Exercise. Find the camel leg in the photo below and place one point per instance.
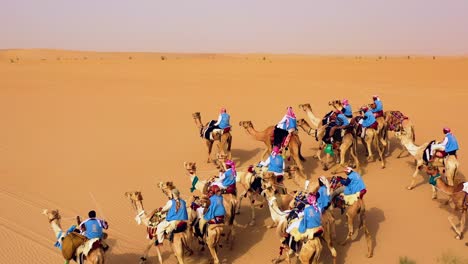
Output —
(294, 148)
(350, 214)
(244, 194)
(252, 208)
(462, 225)
(370, 155)
(212, 241)
(413, 180)
(178, 250)
(363, 225)
(380, 152)
(209, 145)
(146, 251)
(401, 152)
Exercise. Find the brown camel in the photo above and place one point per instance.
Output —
(451, 162)
(371, 138)
(224, 139)
(212, 238)
(352, 211)
(180, 241)
(95, 255)
(310, 250)
(316, 121)
(229, 200)
(397, 121)
(348, 143)
(279, 203)
(459, 198)
(266, 137)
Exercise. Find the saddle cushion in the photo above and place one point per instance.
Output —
(181, 227)
(379, 114)
(308, 234)
(217, 220)
(352, 198)
(231, 189)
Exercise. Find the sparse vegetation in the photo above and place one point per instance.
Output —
(163, 58)
(409, 57)
(264, 58)
(406, 260)
(12, 61)
(130, 58)
(85, 58)
(450, 258)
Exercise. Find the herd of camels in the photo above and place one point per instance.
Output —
(260, 186)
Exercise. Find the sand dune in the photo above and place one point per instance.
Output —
(77, 133)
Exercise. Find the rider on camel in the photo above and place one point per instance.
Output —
(275, 163)
(227, 178)
(324, 194)
(285, 127)
(449, 146)
(94, 228)
(378, 110)
(367, 120)
(341, 122)
(347, 110)
(176, 212)
(354, 186)
(223, 122)
(216, 212)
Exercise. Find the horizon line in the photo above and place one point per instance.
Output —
(245, 53)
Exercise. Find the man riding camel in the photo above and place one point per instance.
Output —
(324, 194)
(223, 122)
(216, 212)
(447, 147)
(368, 119)
(340, 122)
(347, 110)
(285, 127)
(228, 177)
(176, 212)
(354, 186)
(275, 163)
(94, 228)
(378, 110)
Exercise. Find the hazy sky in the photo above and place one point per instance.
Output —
(279, 26)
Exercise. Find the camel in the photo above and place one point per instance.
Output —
(459, 198)
(310, 250)
(95, 254)
(230, 200)
(396, 122)
(348, 143)
(371, 138)
(279, 205)
(316, 122)
(266, 135)
(224, 139)
(180, 241)
(166, 188)
(451, 162)
(358, 208)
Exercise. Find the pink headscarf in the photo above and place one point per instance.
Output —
(223, 110)
(275, 151)
(312, 200)
(345, 102)
(290, 112)
(233, 166)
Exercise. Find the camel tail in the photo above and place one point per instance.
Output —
(413, 133)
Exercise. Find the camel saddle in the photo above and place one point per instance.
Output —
(375, 125)
(395, 120)
(326, 118)
(379, 114)
(231, 189)
(310, 233)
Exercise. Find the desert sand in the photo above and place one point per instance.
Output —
(78, 129)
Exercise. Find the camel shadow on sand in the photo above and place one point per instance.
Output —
(374, 216)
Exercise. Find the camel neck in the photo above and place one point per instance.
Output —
(315, 121)
(254, 133)
(410, 146)
(56, 227)
(441, 185)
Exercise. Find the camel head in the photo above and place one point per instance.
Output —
(246, 124)
(191, 167)
(52, 214)
(432, 170)
(305, 107)
(302, 122)
(166, 188)
(220, 161)
(268, 180)
(335, 102)
(400, 134)
(196, 115)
